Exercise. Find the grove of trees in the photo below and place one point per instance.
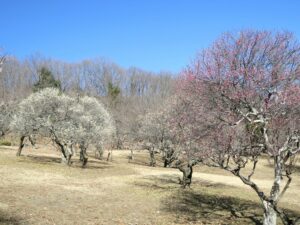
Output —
(236, 103)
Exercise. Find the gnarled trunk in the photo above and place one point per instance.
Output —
(99, 153)
(64, 156)
(169, 157)
(187, 173)
(32, 141)
(21, 145)
(69, 154)
(83, 155)
(270, 215)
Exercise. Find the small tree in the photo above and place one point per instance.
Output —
(154, 133)
(245, 91)
(187, 129)
(46, 80)
(113, 92)
(96, 125)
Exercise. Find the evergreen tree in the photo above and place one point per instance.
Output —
(113, 92)
(46, 80)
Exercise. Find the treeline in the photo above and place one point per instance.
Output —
(127, 93)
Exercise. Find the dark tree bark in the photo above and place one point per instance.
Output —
(187, 173)
(65, 158)
(169, 157)
(21, 145)
(83, 155)
(152, 157)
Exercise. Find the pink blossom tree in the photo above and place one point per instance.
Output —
(242, 98)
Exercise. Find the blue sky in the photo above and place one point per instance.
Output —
(156, 35)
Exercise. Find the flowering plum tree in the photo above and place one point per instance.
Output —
(243, 98)
(155, 133)
(187, 130)
(47, 113)
(95, 125)
(67, 121)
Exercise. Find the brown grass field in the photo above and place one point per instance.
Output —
(37, 189)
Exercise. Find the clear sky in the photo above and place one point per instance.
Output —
(151, 34)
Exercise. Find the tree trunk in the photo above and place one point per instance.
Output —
(166, 163)
(32, 142)
(152, 158)
(187, 172)
(130, 157)
(169, 157)
(69, 154)
(109, 156)
(99, 153)
(64, 158)
(270, 215)
(83, 155)
(21, 145)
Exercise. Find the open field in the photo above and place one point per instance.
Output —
(37, 189)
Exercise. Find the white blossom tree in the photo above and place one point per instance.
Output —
(66, 120)
(6, 112)
(155, 134)
(95, 125)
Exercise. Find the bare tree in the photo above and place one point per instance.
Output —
(2, 60)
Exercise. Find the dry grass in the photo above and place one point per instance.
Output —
(37, 189)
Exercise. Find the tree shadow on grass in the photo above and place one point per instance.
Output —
(171, 182)
(9, 220)
(144, 160)
(48, 160)
(191, 206)
(92, 164)
(212, 209)
(44, 159)
(165, 182)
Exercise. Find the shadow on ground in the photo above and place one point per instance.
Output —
(92, 163)
(9, 220)
(199, 206)
(211, 209)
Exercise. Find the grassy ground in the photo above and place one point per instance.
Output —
(37, 189)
